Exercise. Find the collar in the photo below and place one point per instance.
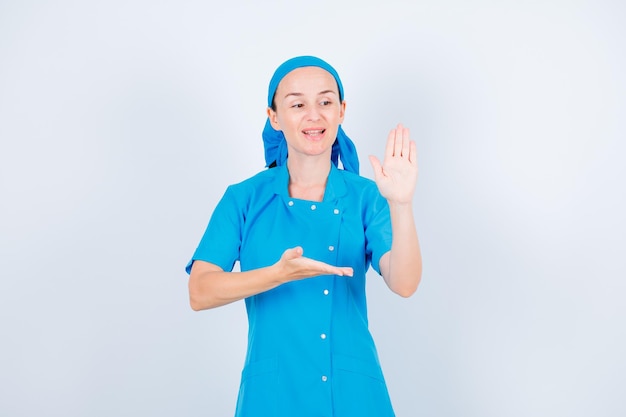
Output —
(335, 185)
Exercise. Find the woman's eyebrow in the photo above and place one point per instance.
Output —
(319, 94)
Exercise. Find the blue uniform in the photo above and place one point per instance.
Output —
(310, 352)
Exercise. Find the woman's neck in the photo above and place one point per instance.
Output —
(307, 177)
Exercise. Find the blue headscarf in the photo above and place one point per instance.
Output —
(274, 140)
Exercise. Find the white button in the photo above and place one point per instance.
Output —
(323, 336)
(313, 206)
(325, 292)
(336, 211)
(331, 248)
(324, 378)
(290, 203)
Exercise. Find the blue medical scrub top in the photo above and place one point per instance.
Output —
(310, 352)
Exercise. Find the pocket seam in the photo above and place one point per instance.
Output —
(261, 367)
(358, 366)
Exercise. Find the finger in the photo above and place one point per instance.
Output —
(406, 141)
(378, 169)
(413, 152)
(397, 147)
(339, 270)
(324, 268)
(345, 271)
(293, 253)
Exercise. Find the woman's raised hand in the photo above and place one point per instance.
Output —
(294, 266)
(396, 177)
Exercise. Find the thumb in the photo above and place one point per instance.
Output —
(292, 253)
(378, 169)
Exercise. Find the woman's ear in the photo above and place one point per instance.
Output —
(342, 111)
(271, 115)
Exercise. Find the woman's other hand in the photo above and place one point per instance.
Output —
(396, 177)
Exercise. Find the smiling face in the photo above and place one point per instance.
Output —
(308, 110)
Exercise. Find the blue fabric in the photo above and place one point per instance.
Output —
(303, 331)
(274, 140)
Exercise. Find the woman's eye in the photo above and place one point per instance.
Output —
(297, 105)
(325, 102)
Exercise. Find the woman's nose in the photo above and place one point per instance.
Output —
(314, 114)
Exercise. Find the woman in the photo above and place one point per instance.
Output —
(305, 233)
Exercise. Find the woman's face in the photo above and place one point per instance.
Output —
(308, 111)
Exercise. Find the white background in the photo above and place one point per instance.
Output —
(122, 122)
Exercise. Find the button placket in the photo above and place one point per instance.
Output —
(331, 248)
(331, 215)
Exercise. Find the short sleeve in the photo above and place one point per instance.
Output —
(377, 230)
(221, 241)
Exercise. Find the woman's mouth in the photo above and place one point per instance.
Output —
(314, 133)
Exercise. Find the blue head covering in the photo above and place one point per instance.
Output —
(274, 140)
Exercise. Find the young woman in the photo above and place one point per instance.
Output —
(305, 232)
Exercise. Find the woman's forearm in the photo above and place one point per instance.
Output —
(210, 286)
(401, 267)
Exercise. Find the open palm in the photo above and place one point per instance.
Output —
(396, 177)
